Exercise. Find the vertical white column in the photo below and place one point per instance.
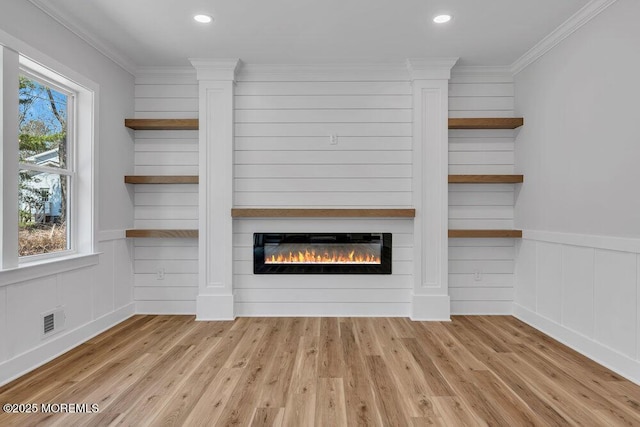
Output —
(215, 295)
(430, 80)
(9, 156)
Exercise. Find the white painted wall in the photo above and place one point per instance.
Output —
(481, 206)
(95, 297)
(577, 267)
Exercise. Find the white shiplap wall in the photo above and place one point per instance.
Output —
(283, 157)
(481, 271)
(166, 95)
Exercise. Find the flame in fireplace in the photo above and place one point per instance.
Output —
(326, 257)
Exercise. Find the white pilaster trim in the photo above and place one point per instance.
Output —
(215, 69)
(568, 27)
(430, 186)
(216, 89)
(430, 68)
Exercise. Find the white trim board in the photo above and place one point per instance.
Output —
(612, 243)
(598, 352)
(34, 358)
(49, 267)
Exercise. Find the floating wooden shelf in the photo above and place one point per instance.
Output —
(485, 179)
(486, 123)
(161, 179)
(321, 213)
(175, 234)
(485, 233)
(161, 124)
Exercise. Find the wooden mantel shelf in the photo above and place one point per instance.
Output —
(486, 123)
(161, 179)
(161, 124)
(321, 213)
(479, 234)
(172, 234)
(485, 179)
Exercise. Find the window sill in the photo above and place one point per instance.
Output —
(35, 270)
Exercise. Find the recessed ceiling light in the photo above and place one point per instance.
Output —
(203, 19)
(441, 19)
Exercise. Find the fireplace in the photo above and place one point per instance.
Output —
(322, 253)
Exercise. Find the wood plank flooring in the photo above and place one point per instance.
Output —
(475, 370)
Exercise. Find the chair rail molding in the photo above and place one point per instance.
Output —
(216, 79)
(430, 82)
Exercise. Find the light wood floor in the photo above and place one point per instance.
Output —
(479, 370)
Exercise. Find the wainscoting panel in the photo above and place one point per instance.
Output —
(583, 290)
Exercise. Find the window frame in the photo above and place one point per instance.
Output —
(14, 54)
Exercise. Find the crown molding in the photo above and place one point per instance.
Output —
(430, 68)
(215, 69)
(577, 20)
(323, 72)
(120, 59)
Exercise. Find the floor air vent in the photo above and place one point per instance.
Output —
(52, 322)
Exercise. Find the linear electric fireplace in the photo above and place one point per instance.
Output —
(322, 253)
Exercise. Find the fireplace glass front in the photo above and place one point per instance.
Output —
(322, 253)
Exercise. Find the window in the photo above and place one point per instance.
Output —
(47, 159)
(45, 166)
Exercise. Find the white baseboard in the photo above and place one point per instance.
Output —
(594, 350)
(431, 307)
(166, 307)
(321, 309)
(30, 360)
(215, 307)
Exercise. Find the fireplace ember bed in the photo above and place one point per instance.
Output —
(322, 253)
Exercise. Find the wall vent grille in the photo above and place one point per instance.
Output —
(49, 323)
(53, 322)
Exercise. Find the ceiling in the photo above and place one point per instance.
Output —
(163, 33)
